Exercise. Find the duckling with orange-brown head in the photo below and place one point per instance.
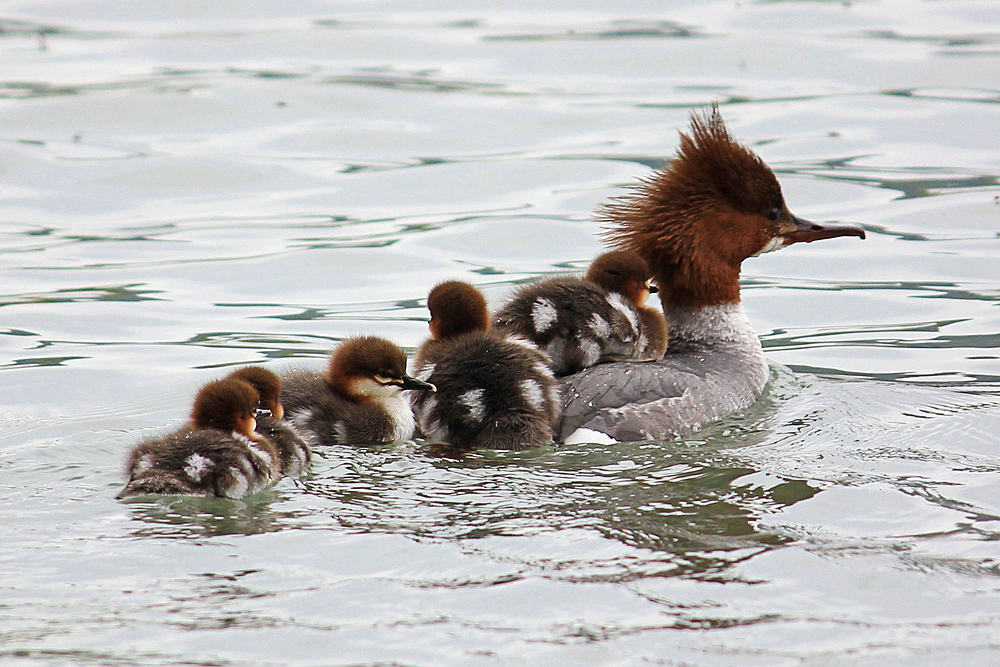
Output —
(494, 390)
(217, 453)
(358, 400)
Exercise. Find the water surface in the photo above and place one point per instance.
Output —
(188, 187)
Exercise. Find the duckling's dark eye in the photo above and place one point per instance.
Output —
(773, 214)
(383, 376)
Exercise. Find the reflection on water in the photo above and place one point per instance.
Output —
(181, 517)
(647, 497)
(82, 294)
(909, 187)
(679, 515)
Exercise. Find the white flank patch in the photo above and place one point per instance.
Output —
(776, 243)
(425, 372)
(591, 351)
(617, 301)
(543, 370)
(585, 435)
(145, 462)
(522, 342)
(196, 465)
(533, 394)
(543, 314)
(473, 400)
(600, 327)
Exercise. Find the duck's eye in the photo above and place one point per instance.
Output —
(383, 377)
(773, 214)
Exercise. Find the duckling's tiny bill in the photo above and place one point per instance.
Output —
(407, 382)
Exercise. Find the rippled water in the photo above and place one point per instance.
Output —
(187, 186)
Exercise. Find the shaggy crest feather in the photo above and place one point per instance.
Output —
(694, 222)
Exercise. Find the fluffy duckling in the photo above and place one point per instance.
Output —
(626, 273)
(359, 398)
(494, 390)
(580, 322)
(217, 453)
(293, 450)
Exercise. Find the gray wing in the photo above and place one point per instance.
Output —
(615, 399)
(661, 400)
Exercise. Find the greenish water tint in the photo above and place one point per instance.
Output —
(186, 189)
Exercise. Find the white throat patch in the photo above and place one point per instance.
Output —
(776, 243)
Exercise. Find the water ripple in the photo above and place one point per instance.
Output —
(613, 30)
(906, 184)
(186, 193)
(949, 42)
(121, 293)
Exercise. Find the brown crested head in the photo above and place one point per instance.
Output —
(457, 308)
(716, 204)
(621, 271)
(365, 358)
(225, 404)
(267, 384)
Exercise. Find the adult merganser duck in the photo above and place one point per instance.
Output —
(494, 390)
(599, 318)
(293, 450)
(694, 223)
(359, 399)
(216, 454)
